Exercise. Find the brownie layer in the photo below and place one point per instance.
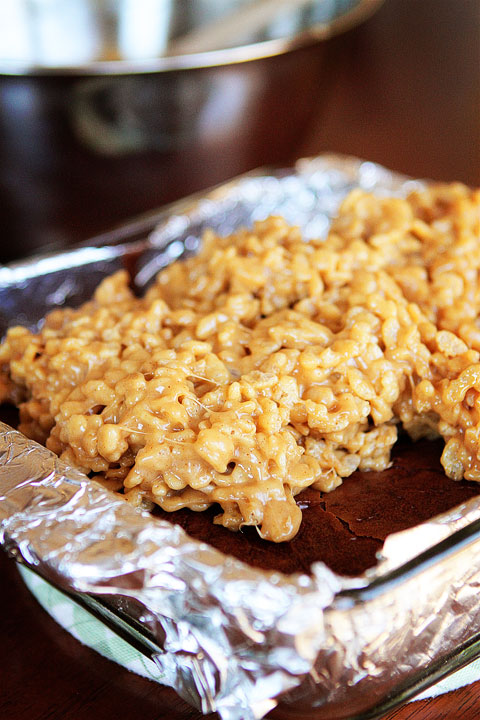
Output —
(345, 528)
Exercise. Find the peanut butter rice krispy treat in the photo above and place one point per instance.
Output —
(267, 363)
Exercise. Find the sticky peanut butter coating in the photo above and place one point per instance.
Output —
(267, 363)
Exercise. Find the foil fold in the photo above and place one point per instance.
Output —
(231, 638)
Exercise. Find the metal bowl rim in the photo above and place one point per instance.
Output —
(211, 58)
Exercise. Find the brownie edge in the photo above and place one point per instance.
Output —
(346, 528)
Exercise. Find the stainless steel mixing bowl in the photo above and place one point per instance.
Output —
(110, 108)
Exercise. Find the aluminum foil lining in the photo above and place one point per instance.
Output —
(232, 638)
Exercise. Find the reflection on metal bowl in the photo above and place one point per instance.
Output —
(107, 113)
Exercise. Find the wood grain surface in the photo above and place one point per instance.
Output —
(405, 92)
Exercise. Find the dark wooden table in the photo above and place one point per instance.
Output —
(406, 94)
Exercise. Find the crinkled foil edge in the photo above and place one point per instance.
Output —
(234, 638)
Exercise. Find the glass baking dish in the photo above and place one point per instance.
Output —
(231, 638)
